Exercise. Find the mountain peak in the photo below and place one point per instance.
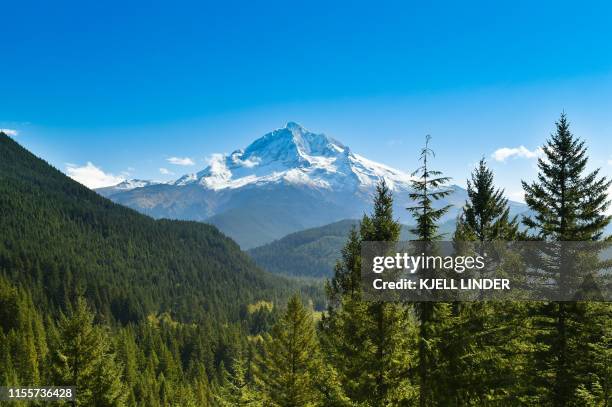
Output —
(126, 185)
(296, 156)
(293, 126)
(291, 144)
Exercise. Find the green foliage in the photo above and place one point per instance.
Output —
(82, 357)
(23, 339)
(63, 240)
(486, 215)
(429, 186)
(236, 389)
(308, 253)
(433, 318)
(569, 204)
(368, 343)
(347, 272)
(487, 342)
(290, 366)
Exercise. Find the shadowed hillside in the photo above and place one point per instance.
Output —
(314, 252)
(61, 239)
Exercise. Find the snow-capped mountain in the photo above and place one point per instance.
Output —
(288, 180)
(126, 185)
(293, 155)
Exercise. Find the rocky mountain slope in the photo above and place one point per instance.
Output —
(286, 181)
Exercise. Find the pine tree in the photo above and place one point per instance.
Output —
(82, 358)
(347, 272)
(339, 326)
(569, 204)
(127, 353)
(387, 325)
(486, 214)
(290, 365)
(485, 341)
(367, 341)
(236, 390)
(348, 347)
(429, 186)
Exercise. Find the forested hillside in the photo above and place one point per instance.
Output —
(314, 252)
(309, 253)
(60, 239)
(177, 292)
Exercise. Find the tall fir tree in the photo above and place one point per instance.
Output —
(429, 186)
(82, 357)
(388, 325)
(290, 368)
(346, 280)
(368, 342)
(569, 204)
(487, 342)
(236, 389)
(486, 214)
(341, 327)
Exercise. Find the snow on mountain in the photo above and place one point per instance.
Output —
(127, 185)
(286, 181)
(296, 156)
(134, 183)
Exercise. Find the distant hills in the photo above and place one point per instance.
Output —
(289, 180)
(308, 253)
(314, 252)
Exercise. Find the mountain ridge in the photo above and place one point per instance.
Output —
(288, 180)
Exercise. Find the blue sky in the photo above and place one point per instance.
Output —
(126, 86)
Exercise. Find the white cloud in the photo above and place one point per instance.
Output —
(9, 132)
(165, 171)
(92, 176)
(248, 163)
(502, 154)
(180, 161)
